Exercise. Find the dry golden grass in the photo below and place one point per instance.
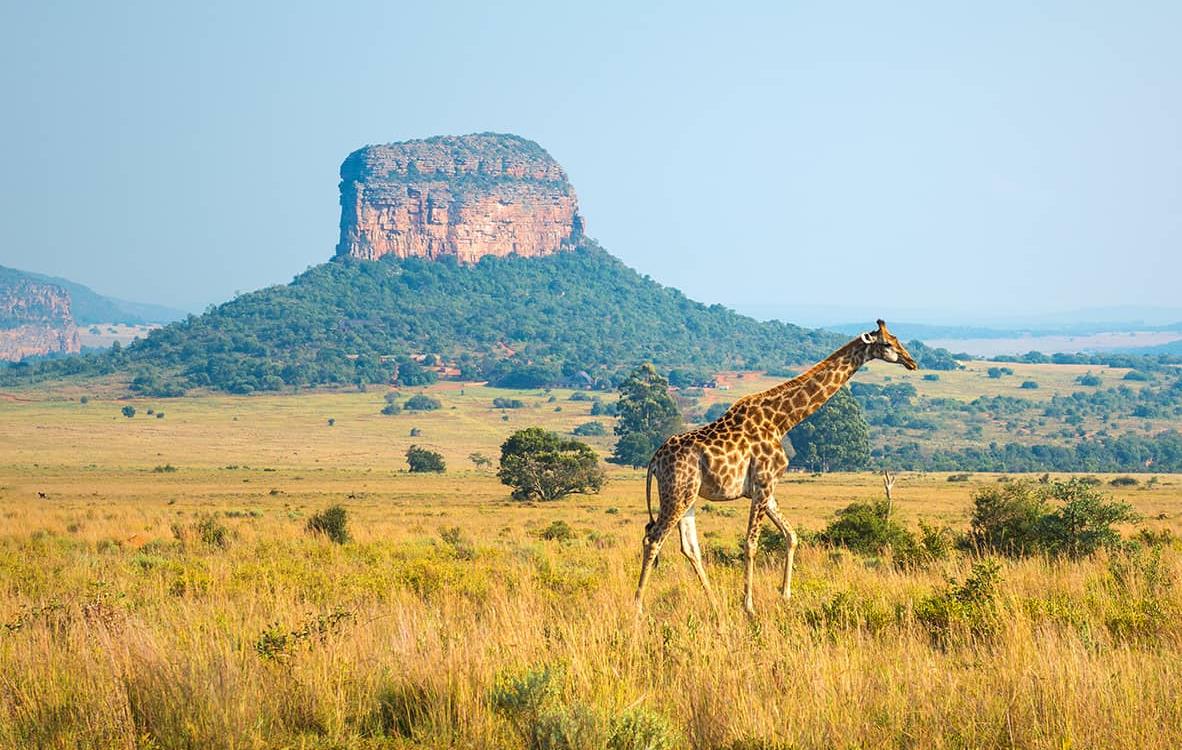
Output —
(114, 633)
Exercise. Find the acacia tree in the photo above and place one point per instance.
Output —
(647, 416)
(835, 437)
(538, 463)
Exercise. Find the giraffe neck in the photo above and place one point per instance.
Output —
(792, 402)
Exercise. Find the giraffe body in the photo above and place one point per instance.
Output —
(741, 454)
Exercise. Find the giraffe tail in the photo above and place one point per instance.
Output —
(648, 500)
(648, 497)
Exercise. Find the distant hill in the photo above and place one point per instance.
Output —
(90, 307)
(524, 321)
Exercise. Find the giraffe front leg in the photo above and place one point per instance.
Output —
(790, 539)
(750, 546)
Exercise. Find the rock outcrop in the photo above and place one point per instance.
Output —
(35, 319)
(466, 196)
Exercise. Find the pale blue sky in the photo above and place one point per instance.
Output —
(935, 157)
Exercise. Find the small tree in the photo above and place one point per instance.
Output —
(128, 411)
(835, 438)
(422, 402)
(422, 460)
(647, 416)
(391, 409)
(539, 464)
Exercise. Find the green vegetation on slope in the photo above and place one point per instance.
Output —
(517, 321)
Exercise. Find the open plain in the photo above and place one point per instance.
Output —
(158, 589)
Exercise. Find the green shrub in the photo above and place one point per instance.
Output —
(1083, 522)
(967, 609)
(641, 729)
(421, 460)
(931, 377)
(128, 411)
(422, 402)
(959, 477)
(1071, 518)
(1124, 482)
(165, 469)
(500, 402)
(867, 528)
(1029, 385)
(1006, 517)
(557, 531)
(391, 409)
(332, 522)
(590, 429)
(212, 532)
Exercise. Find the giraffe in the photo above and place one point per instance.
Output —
(741, 454)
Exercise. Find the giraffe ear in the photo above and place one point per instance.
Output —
(867, 338)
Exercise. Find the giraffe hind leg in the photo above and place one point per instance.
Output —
(689, 547)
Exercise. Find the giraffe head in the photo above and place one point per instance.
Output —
(882, 344)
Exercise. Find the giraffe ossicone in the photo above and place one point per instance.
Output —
(740, 454)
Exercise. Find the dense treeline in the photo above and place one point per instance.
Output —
(520, 322)
(1127, 452)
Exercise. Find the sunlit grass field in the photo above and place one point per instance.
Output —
(457, 617)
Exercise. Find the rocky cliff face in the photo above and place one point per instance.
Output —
(467, 196)
(35, 319)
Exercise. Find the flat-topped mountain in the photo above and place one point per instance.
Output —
(465, 196)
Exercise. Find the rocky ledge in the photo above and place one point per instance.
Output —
(465, 196)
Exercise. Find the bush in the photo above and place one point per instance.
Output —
(500, 402)
(539, 464)
(1018, 518)
(579, 396)
(931, 377)
(128, 411)
(1083, 523)
(557, 531)
(590, 429)
(1029, 385)
(86, 399)
(159, 415)
(640, 729)
(1124, 482)
(1135, 375)
(391, 409)
(479, 459)
(963, 477)
(212, 532)
(422, 460)
(867, 528)
(963, 609)
(332, 522)
(422, 402)
(1089, 379)
(1006, 517)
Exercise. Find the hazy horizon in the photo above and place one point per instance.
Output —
(942, 160)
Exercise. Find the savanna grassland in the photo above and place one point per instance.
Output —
(158, 589)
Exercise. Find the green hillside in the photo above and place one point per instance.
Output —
(517, 321)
